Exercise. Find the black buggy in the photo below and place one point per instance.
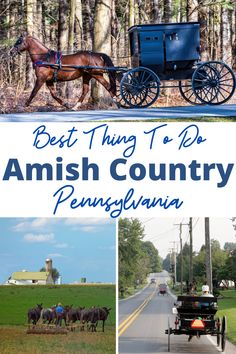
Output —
(195, 316)
(171, 52)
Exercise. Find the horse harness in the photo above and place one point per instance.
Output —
(57, 57)
(58, 63)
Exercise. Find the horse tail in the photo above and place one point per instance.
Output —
(111, 73)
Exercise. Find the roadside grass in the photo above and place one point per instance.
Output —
(203, 119)
(16, 300)
(131, 290)
(227, 307)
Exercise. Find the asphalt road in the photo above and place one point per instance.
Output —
(146, 334)
(228, 110)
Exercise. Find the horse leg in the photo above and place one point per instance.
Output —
(105, 84)
(85, 90)
(37, 86)
(51, 87)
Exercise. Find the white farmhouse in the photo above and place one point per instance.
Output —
(28, 278)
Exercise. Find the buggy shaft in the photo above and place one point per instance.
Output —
(85, 67)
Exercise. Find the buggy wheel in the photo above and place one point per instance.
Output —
(140, 87)
(186, 91)
(218, 331)
(223, 333)
(118, 98)
(213, 82)
(169, 332)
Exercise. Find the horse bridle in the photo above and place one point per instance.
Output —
(19, 41)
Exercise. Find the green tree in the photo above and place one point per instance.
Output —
(218, 256)
(55, 273)
(166, 263)
(131, 232)
(229, 270)
(186, 253)
(137, 258)
(152, 253)
(230, 246)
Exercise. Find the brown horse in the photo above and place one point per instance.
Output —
(49, 75)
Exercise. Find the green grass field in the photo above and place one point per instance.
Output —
(227, 307)
(16, 300)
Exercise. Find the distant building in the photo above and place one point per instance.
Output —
(28, 278)
(59, 280)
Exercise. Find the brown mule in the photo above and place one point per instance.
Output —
(49, 75)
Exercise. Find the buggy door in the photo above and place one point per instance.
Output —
(152, 49)
(182, 44)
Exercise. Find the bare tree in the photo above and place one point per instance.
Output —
(226, 48)
(78, 25)
(88, 25)
(62, 25)
(102, 34)
(30, 7)
(167, 13)
(192, 10)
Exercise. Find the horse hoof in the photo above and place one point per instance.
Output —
(116, 103)
(76, 106)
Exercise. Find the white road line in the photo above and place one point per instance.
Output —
(213, 342)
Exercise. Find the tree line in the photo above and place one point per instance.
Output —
(223, 264)
(137, 258)
(102, 26)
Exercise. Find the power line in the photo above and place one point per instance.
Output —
(162, 233)
(181, 255)
(144, 222)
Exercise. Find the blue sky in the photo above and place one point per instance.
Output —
(79, 247)
(164, 233)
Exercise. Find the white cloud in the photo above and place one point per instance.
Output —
(61, 245)
(41, 222)
(46, 224)
(37, 238)
(34, 224)
(88, 228)
(88, 221)
(20, 227)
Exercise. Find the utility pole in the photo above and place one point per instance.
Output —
(174, 262)
(208, 254)
(181, 256)
(190, 250)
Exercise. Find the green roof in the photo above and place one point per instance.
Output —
(30, 275)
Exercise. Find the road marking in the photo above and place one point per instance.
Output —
(213, 342)
(127, 322)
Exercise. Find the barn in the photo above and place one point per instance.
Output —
(25, 277)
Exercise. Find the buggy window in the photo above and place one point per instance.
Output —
(134, 43)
